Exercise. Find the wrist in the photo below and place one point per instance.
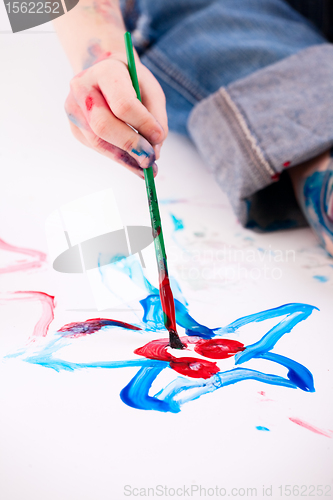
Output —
(91, 31)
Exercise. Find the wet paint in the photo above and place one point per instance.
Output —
(186, 365)
(197, 376)
(218, 348)
(80, 329)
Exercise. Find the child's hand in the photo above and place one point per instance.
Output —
(101, 105)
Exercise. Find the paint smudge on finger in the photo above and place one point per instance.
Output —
(95, 54)
(144, 153)
(89, 102)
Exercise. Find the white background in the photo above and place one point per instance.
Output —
(68, 435)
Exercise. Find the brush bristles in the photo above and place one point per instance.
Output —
(174, 340)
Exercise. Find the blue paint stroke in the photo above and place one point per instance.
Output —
(318, 188)
(297, 373)
(320, 278)
(181, 389)
(153, 317)
(135, 394)
(151, 304)
(141, 153)
(184, 389)
(177, 223)
(262, 428)
(58, 364)
(295, 314)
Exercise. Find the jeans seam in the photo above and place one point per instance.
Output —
(244, 131)
(247, 152)
(192, 93)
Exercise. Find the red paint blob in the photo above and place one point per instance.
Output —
(89, 103)
(157, 349)
(80, 329)
(168, 304)
(275, 177)
(218, 348)
(190, 367)
(286, 164)
(194, 368)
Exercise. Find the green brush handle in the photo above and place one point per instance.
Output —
(148, 172)
(167, 302)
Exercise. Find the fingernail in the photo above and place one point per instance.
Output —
(156, 136)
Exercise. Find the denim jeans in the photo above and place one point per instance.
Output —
(251, 82)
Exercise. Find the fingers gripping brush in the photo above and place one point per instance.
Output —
(167, 301)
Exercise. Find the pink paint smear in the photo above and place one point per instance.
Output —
(311, 428)
(48, 304)
(39, 258)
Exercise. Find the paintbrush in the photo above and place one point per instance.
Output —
(167, 301)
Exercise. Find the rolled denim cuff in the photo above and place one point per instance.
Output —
(251, 131)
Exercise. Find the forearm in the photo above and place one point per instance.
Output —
(104, 111)
(91, 32)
